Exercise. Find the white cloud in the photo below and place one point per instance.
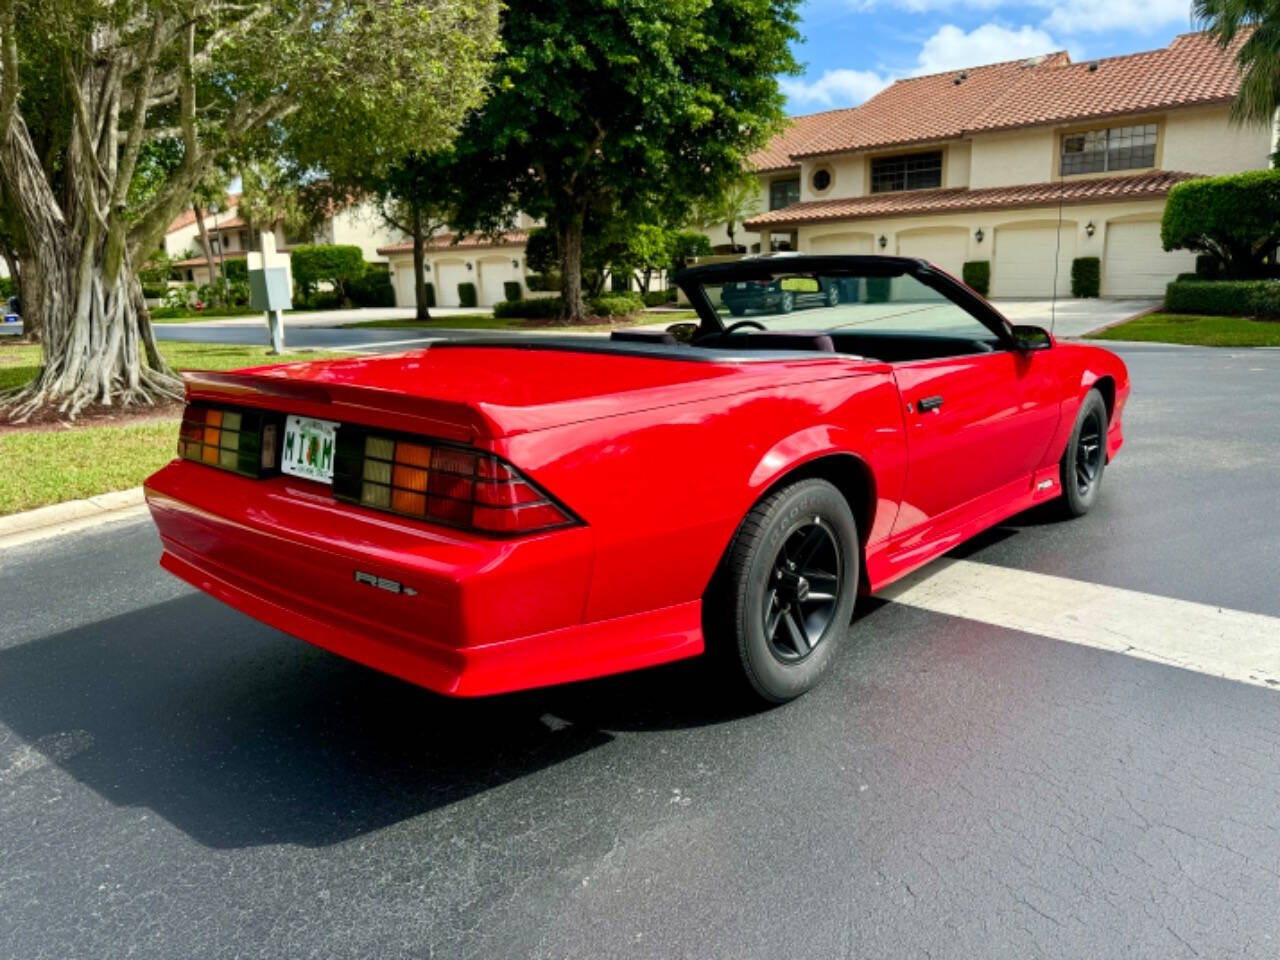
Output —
(952, 48)
(835, 88)
(1092, 16)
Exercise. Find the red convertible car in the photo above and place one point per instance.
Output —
(489, 515)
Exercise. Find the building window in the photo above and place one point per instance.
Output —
(783, 193)
(244, 239)
(914, 171)
(821, 179)
(214, 246)
(1118, 148)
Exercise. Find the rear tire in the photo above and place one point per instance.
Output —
(787, 303)
(1085, 459)
(786, 589)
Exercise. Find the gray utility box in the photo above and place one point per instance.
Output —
(269, 289)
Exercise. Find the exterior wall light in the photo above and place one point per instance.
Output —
(978, 234)
(1089, 228)
(515, 264)
(883, 241)
(469, 267)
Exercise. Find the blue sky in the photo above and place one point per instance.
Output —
(853, 48)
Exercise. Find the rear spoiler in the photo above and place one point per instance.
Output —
(347, 403)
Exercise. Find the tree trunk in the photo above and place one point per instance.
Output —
(208, 247)
(419, 265)
(569, 235)
(11, 263)
(29, 295)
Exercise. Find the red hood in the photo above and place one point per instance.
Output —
(499, 391)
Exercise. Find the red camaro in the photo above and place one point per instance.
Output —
(489, 515)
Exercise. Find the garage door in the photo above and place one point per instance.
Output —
(405, 296)
(448, 275)
(841, 243)
(944, 248)
(1023, 261)
(492, 275)
(1135, 266)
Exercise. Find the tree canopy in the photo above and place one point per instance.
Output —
(605, 111)
(1235, 218)
(112, 113)
(1258, 22)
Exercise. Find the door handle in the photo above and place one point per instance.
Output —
(929, 404)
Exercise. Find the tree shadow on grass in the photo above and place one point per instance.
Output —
(239, 735)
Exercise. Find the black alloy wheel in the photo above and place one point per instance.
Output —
(784, 594)
(787, 303)
(1085, 459)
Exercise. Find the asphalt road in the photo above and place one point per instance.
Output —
(176, 780)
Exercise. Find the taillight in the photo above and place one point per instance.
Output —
(441, 483)
(243, 441)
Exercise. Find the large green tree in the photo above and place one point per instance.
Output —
(1258, 55)
(608, 111)
(86, 85)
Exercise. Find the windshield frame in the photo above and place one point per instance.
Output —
(692, 281)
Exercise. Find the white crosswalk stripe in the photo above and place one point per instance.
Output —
(1195, 636)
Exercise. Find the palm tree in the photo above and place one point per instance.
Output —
(739, 203)
(1258, 22)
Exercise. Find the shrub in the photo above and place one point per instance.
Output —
(237, 269)
(543, 282)
(338, 264)
(372, 289)
(467, 294)
(325, 300)
(1086, 276)
(1235, 218)
(1208, 267)
(152, 291)
(538, 308)
(431, 294)
(511, 290)
(878, 289)
(977, 274)
(657, 298)
(616, 304)
(1187, 278)
(1225, 298)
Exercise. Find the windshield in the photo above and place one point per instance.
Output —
(856, 304)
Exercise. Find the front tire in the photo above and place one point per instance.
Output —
(787, 303)
(1085, 459)
(787, 589)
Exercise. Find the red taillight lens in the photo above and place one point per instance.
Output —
(441, 483)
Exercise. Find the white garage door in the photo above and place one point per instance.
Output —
(405, 296)
(1023, 264)
(1135, 266)
(492, 275)
(448, 276)
(841, 243)
(943, 248)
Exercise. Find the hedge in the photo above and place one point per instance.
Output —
(1236, 217)
(1086, 276)
(336, 263)
(431, 295)
(977, 274)
(542, 282)
(372, 289)
(152, 291)
(511, 290)
(1225, 298)
(878, 289)
(538, 308)
(657, 298)
(467, 294)
(616, 304)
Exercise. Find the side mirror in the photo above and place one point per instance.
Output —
(1030, 339)
(684, 332)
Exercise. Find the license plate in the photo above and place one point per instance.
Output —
(309, 446)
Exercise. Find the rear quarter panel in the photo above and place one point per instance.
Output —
(664, 490)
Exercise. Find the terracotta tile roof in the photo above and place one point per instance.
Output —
(776, 154)
(473, 241)
(236, 221)
(952, 199)
(1192, 70)
(188, 216)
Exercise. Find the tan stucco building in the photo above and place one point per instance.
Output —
(1025, 164)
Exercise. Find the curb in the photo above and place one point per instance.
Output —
(62, 518)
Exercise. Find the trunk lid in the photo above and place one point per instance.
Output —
(468, 392)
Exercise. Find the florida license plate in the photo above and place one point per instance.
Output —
(309, 446)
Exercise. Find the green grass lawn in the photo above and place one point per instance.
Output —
(54, 465)
(1195, 330)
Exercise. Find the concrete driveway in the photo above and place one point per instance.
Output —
(1073, 318)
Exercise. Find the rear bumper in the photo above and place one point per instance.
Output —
(475, 615)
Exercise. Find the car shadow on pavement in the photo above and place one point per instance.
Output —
(239, 735)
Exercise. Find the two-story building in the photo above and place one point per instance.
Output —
(1026, 164)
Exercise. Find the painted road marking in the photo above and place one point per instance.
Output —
(1195, 636)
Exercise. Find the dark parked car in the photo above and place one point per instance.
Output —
(780, 296)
